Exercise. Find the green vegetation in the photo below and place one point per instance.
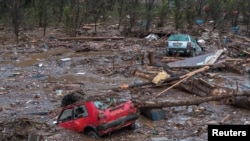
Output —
(131, 14)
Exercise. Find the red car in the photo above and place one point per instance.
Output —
(95, 118)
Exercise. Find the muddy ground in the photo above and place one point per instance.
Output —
(38, 71)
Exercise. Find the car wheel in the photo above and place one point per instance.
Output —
(93, 134)
(133, 126)
(169, 54)
(192, 53)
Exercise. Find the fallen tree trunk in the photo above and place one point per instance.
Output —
(143, 74)
(234, 67)
(192, 89)
(241, 102)
(91, 38)
(193, 101)
(198, 87)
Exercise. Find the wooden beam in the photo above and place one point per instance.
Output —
(91, 38)
(186, 102)
(183, 78)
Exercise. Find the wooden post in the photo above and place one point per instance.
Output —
(151, 58)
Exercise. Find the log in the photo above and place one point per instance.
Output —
(246, 52)
(194, 101)
(192, 90)
(241, 50)
(183, 78)
(202, 81)
(240, 102)
(171, 59)
(143, 74)
(234, 68)
(91, 38)
(202, 86)
(85, 27)
(225, 119)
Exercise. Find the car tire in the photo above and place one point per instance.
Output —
(133, 126)
(192, 53)
(169, 54)
(69, 99)
(92, 134)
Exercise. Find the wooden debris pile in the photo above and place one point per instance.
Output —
(191, 82)
(23, 129)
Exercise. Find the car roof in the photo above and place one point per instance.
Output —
(76, 104)
(179, 37)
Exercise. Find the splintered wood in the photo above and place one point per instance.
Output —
(184, 78)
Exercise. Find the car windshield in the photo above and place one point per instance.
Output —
(100, 105)
(178, 37)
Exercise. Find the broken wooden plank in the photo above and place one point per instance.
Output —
(143, 74)
(183, 78)
(85, 27)
(211, 60)
(206, 83)
(91, 38)
(171, 59)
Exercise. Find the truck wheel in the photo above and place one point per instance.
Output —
(68, 99)
(93, 134)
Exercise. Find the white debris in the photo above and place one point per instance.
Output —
(152, 37)
(66, 59)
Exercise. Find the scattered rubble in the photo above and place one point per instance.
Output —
(190, 93)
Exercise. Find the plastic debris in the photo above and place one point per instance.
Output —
(152, 37)
(59, 92)
(199, 21)
(66, 59)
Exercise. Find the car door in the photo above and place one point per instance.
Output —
(81, 117)
(196, 46)
(65, 119)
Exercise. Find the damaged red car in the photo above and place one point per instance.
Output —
(97, 118)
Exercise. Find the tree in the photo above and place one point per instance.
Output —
(216, 12)
(246, 13)
(120, 11)
(96, 10)
(178, 13)
(190, 12)
(72, 16)
(42, 11)
(132, 10)
(16, 15)
(162, 12)
(149, 4)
